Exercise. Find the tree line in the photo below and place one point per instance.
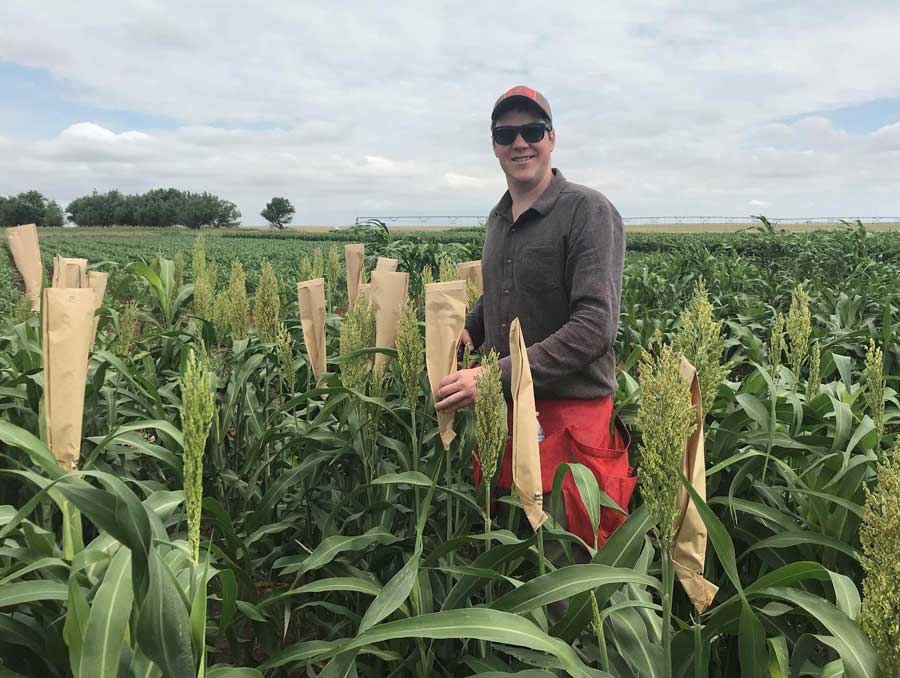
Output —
(159, 208)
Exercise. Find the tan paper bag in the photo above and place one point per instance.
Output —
(526, 454)
(386, 264)
(471, 270)
(69, 273)
(26, 254)
(68, 323)
(445, 316)
(311, 299)
(389, 292)
(97, 281)
(689, 546)
(364, 293)
(353, 258)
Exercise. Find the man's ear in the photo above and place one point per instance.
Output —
(551, 135)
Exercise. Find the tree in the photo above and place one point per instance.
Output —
(30, 207)
(278, 212)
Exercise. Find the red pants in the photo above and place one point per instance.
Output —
(579, 431)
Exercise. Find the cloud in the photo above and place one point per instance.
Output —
(668, 108)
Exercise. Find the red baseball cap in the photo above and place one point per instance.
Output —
(521, 93)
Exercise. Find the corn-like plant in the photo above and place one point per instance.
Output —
(317, 263)
(490, 416)
(22, 310)
(427, 277)
(219, 316)
(473, 294)
(179, 269)
(204, 279)
(284, 347)
(129, 321)
(239, 306)
(798, 331)
(446, 270)
(334, 266)
(879, 615)
(266, 305)
(357, 332)
(776, 344)
(815, 375)
(701, 342)
(597, 624)
(666, 418)
(410, 352)
(197, 402)
(874, 392)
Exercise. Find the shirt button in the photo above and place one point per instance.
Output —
(512, 230)
(506, 292)
(509, 261)
(503, 326)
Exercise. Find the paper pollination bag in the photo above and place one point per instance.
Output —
(445, 315)
(526, 455)
(353, 258)
(96, 281)
(26, 254)
(311, 300)
(386, 264)
(69, 273)
(471, 270)
(689, 546)
(68, 325)
(364, 293)
(389, 293)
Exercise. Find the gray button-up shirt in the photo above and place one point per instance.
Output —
(558, 268)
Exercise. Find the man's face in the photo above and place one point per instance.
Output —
(524, 164)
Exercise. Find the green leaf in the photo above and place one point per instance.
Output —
(352, 584)
(331, 547)
(163, 630)
(479, 623)
(110, 610)
(32, 591)
(77, 613)
(567, 582)
(752, 644)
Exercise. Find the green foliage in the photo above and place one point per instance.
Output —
(238, 304)
(490, 415)
(666, 419)
(702, 343)
(204, 280)
(874, 392)
(266, 305)
(196, 414)
(879, 615)
(798, 330)
(357, 332)
(30, 207)
(410, 352)
(278, 212)
(158, 208)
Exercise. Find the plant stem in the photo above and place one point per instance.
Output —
(449, 480)
(414, 451)
(601, 643)
(668, 573)
(699, 668)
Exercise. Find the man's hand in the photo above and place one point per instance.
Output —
(457, 390)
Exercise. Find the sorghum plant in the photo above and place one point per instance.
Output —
(179, 270)
(266, 305)
(701, 342)
(357, 332)
(204, 279)
(196, 415)
(874, 392)
(776, 344)
(239, 306)
(446, 270)
(333, 268)
(815, 376)
(879, 535)
(128, 328)
(473, 294)
(219, 316)
(285, 350)
(798, 330)
(666, 418)
(410, 352)
(490, 426)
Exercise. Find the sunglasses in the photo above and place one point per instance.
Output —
(532, 133)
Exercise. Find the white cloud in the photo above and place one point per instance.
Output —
(349, 107)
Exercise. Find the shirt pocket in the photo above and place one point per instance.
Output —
(539, 270)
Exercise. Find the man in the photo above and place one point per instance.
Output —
(553, 256)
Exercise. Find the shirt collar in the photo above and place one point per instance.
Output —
(542, 205)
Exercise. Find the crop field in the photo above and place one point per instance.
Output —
(231, 516)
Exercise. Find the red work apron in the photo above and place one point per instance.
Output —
(579, 431)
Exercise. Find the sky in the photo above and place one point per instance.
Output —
(352, 109)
